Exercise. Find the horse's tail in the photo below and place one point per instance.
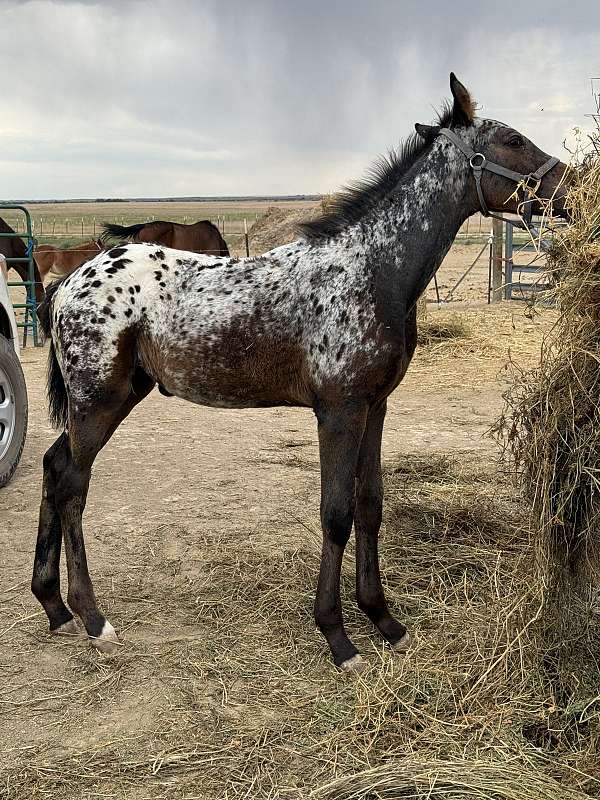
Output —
(119, 231)
(58, 401)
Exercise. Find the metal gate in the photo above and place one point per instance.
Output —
(525, 266)
(30, 320)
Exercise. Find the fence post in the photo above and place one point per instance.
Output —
(246, 237)
(497, 252)
(66, 224)
(82, 226)
(508, 262)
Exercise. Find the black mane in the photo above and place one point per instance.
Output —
(354, 201)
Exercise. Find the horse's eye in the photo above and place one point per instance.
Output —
(516, 141)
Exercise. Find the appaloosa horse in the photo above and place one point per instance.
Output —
(201, 237)
(14, 247)
(62, 261)
(327, 322)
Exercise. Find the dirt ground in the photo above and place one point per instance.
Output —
(182, 497)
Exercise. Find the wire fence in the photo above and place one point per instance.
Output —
(90, 226)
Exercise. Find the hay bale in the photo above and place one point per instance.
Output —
(551, 423)
(279, 226)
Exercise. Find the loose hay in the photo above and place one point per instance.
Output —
(451, 780)
(551, 426)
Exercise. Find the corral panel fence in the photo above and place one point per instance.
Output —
(26, 312)
(525, 265)
(517, 264)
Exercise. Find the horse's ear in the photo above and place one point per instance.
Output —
(427, 132)
(463, 110)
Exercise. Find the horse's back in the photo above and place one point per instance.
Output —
(201, 237)
(201, 326)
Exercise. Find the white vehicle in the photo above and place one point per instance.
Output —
(13, 391)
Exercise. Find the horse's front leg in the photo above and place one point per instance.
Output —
(367, 521)
(340, 434)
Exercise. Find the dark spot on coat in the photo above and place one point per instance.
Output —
(117, 252)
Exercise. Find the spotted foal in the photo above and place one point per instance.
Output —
(326, 323)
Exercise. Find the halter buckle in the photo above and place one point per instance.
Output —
(532, 183)
(481, 164)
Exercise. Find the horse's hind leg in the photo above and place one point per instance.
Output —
(45, 583)
(87, 436)
(367, 521)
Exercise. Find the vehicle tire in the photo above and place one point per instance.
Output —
(13, 411)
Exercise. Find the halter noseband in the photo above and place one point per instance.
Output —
(478, 162)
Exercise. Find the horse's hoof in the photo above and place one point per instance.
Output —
(108, 641)
(402, 644)
(355, 664)
(69, 628)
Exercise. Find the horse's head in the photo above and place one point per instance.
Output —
(504, 163)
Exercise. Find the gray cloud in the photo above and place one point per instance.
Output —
(181, 97)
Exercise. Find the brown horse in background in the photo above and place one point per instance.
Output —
(201, 237)
(61, 262)
(16, 248)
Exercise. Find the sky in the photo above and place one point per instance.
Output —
(153, 98)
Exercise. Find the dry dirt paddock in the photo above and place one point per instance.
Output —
(203, 542)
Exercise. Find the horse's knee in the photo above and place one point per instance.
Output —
(337, 523)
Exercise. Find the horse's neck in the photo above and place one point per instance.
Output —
(411, 232)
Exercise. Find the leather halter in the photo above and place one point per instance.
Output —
(478, 162)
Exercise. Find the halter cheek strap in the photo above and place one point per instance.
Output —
(478, 162)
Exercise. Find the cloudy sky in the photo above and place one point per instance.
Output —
(233, 97)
